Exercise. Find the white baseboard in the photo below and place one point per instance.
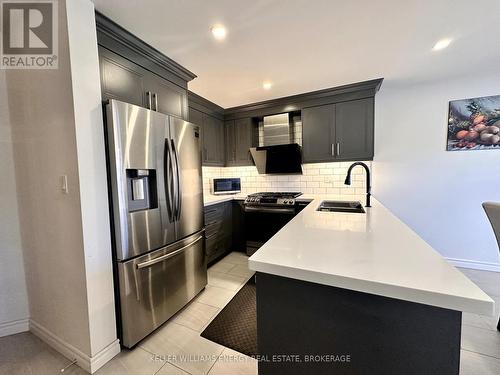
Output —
(104, 356)
(13, 327)
(89, 364)
(475, 265)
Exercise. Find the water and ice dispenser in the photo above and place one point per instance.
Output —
(141, 189)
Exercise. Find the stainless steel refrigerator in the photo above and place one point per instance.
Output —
(157, 207)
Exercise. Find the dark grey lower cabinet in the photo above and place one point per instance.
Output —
(308, 328)
(218, 230)
(239, 237)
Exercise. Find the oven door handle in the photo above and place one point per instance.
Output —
(271, 210)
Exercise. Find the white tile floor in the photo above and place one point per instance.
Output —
(177, 348)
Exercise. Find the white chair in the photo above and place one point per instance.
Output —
(493, 212)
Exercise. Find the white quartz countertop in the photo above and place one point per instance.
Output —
(209, 199)
(374, 253)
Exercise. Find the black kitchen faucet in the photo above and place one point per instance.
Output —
(368, 183)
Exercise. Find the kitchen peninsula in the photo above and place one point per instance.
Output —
(362, 285)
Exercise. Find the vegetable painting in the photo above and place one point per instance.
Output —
(474, 124)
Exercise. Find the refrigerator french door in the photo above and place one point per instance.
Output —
(154, 164)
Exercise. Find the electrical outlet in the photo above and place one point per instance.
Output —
(330, 179)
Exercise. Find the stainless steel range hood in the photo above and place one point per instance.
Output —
(277, 130)
(278, 155)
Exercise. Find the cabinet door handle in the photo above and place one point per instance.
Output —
(149, 99)
(333, 150)
(338, 148)
(155, 96)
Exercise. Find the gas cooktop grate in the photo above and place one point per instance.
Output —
(287, 195)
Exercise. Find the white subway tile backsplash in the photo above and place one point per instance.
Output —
(318, 178)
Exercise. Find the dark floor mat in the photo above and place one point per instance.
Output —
(236, 325)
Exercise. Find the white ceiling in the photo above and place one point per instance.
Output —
(306, 45)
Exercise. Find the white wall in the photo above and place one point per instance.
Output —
(56, 122)
(436, 192)
(92, 173)
(13, 296)
(43, 131)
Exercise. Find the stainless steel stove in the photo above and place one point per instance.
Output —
(266, 213)
(272, 199)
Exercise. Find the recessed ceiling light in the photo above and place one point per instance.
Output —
(441, 44)
(267, 85)
(219, 32)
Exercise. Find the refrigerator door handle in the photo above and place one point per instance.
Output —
(168, 167)
(174, 179)
(162, 258)
(178, 182)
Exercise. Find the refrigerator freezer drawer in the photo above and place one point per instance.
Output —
(155, 286)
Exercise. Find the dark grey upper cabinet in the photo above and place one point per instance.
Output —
(166, 97)
(354, 129)
(124, 80)
(209, 116)
(318, 134)
(213, 141)
(243, 141)
(341, 131)
(219, 142)
(196, 117)
(238, 142)
(230, 142)
(121, 79)
(134, 72)
(115, 38)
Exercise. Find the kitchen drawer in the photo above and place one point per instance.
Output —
(211, 243)
(218, 229)
(212, 228)
(217, 246)
(214, 213)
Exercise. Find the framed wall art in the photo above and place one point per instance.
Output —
(474, 124)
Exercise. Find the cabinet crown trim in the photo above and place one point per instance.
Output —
(204, 105)
(372, 86)
(111, 29)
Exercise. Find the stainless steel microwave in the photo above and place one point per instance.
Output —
(220, 186)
